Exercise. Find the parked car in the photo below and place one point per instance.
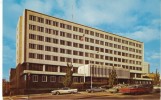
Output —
(156, 88)
(96, 89)
(116, 88)
(136, 89)
(113, 90)
(64, 90)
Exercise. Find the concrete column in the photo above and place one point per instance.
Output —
(135, 76)
(58, 68)
(43, 68)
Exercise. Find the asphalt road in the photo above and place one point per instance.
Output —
(85, 95)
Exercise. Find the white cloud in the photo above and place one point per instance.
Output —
(145, 34)
(156, 56)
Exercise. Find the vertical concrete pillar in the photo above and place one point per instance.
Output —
(43, 67)
(135, 75)
(58, 69)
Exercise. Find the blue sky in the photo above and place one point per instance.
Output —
(136, 19)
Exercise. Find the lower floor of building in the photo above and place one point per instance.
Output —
(42, 83)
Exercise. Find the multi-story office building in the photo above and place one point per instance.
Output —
(45, 44)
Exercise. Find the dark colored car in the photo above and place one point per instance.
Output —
(136, 89)
(95, 89)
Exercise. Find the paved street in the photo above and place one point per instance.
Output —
(85, 95)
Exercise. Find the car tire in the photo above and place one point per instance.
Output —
(57, 93)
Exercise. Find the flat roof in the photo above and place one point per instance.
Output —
(82, 25)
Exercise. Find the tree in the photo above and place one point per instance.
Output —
(112, 77)
(156, 78)
(68, 77)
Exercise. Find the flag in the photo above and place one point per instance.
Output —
(82, 37)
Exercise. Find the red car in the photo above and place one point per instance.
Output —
(136, 89)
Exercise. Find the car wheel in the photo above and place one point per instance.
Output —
(57, 93)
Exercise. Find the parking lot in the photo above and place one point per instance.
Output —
(85, 95)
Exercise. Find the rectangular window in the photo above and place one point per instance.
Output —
(32, 36)
(62, 25)
(75, 52)
(55, 32)
(55, 58)
(41, 20)
(32, 46)
(55, 41)
(40, 29)
(75, 28)
(62, 59)
(47, 48)
(47, 57)
(62, 42)
(40, 47)
(75, 36)
(69, 52)
(47, 39)
(80, 45)
(40, 38)
(32, 55)
(34, 78)
(91, 40)
(55, 23)
(92, 33)
(75, 44)
(62, 50)
(86, 31)
(75, 79)
(52, 78)
(32, 27)
(69, 35)
(44, 78)
(61, 79)
(81, 30)
(101, 42)
(102, 35)
(40, 56)
(69, 43)
(55, 49)
(31, 17)
(69, 27)
(48, 21)
(62, 33)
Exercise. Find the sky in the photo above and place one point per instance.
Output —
(136, 19)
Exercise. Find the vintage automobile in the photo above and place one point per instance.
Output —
(113, 90)
(136, 89)
(116, 88)
(156, 88)
(64, 90)
(96, 89)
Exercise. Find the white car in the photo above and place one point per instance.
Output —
(64, 90)
(156, 88)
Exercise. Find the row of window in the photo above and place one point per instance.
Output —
(80, 61)
(44, 78)
(78, 45)
(80, 53)
(81, 30)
